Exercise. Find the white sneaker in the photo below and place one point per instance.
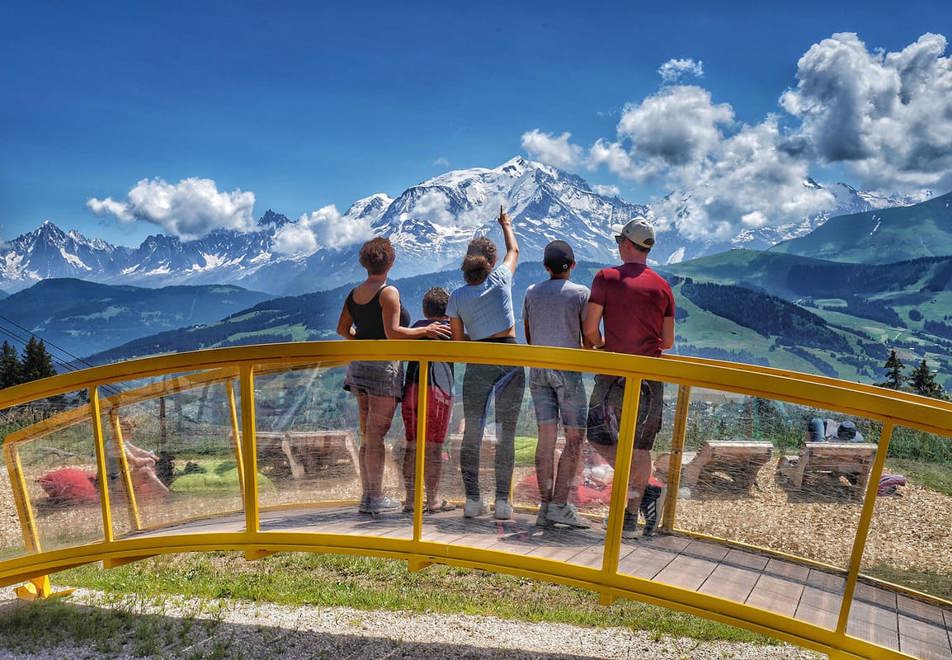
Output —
(473, 508)
(566, 514)
(502, 510)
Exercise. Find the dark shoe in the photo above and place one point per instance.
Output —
(629, 528)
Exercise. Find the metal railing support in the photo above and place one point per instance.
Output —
(100, 447)
(236, 435)
(21, 498)
(624, 450)
(134, 518)
(862, 529)
(249, 448)
(678, 435)
(418, 484)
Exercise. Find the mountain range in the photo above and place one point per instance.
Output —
(429, 223)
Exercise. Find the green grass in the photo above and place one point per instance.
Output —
(219, 476)
(525, 450)
(380, 584)
(936, 584)
(931, 475)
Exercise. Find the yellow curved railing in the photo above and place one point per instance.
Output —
(186, 371)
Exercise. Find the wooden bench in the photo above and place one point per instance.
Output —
(850, 459)
(306, 452)
(740, 460)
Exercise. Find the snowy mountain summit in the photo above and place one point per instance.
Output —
(429, 224)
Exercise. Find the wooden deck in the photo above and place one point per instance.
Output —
(878, 615)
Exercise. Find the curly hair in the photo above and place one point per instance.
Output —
(376, 255)
(483, 247)
(435, 301)
(476, 268)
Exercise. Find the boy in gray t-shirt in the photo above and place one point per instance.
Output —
(552, 315)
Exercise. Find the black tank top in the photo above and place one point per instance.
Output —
(368, 318)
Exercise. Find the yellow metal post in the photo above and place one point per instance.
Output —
(677, 453)
(862, 530)
(249, 447)
(624, 450)
(418, 484)
(134, 518)
(100, 446)
(236, 435)
(21, 498)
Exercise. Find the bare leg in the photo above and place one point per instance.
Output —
(145, 476)
(380, 412)
(362, 410)
(545, 460)
(638, 478)
(567, 476)
(432, 470)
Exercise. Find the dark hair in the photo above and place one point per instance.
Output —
(482, 247)
(641, 248)
(476, 268)
(435, 301)
(377, 256)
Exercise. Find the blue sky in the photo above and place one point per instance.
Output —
(313, 104)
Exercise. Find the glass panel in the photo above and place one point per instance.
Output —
(332, 459)
(175, 450)
(54, 446)
(512, 429)
(909, 545)
(752, 475)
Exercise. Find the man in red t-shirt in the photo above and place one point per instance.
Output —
(637, 308)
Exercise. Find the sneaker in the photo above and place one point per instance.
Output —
(473, 508)
(364, 506)
(502, 510)
(542, 520)
(381, 504)
(629, 528)
(566, 514)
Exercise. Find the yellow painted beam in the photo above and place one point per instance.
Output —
(418, 483)
(624, 449)
(249, 448)
(101, 469)
(236, 434)
(134, 518)
(668, 511)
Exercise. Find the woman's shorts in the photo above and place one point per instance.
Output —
(375, 378)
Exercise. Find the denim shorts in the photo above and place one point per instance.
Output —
(558, 395)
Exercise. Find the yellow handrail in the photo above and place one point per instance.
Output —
(221, 365)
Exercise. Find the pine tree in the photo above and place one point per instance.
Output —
(923, 382)
(11, 370)
(37, 362)
(894, 375)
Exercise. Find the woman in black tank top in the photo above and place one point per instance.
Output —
(373, 311)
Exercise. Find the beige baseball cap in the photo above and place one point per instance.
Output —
(639, 231)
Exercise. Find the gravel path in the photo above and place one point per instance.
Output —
(231, 628)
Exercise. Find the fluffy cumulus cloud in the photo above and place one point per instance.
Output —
(432, 206)
(324, 228)
(673, 69)
(888, 116)
(609, 190)
(188, 209)
(557, 151)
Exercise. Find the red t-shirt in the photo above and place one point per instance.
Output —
(635, 302)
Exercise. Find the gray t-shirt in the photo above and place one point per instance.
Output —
(554, 310)
(485, 309)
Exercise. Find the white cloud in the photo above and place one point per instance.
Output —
(442, 161)
(888, 116)
(189, 209)
(324, 228)
(673, 69)
(608, 190)
(432, 206)
(551, 150)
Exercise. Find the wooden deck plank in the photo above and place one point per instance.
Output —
(776, 594)
(745, 559)
(826, 581)
(923, 650)
(887, 637)
(730, 582)
(919, 610)
(875, 595)
(874, 614)
(704, 550)
(922, 631)
(645, 562)
(687, 572)
(788, 570)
